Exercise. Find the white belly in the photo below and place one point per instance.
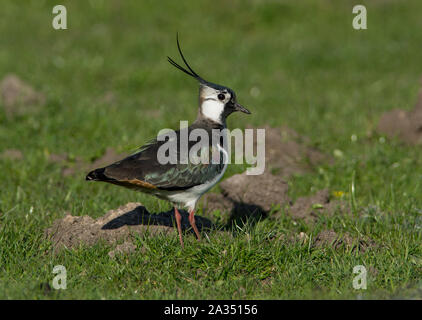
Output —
(188, 198)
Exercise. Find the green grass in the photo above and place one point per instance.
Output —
(315, 73)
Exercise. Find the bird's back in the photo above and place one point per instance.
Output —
(144, 171)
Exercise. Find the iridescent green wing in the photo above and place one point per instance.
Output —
(197, 171)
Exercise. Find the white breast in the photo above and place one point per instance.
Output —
(212, 109)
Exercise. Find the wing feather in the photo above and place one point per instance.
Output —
(144, 170)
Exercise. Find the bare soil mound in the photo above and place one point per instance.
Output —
(216, 202)
(121, 224)
(406, 125)
(246, 196)
(18, 97)
(311, 207)
(263, 190)
(288, 153)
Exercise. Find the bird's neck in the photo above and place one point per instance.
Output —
(212, 110)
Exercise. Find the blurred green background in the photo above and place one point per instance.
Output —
(107, 83)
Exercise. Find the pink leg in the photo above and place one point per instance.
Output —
(179, 226)
(193, 224)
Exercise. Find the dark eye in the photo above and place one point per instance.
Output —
(221, 96)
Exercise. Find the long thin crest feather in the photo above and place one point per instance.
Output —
(191, 72)
(183, 57)
(173, 63)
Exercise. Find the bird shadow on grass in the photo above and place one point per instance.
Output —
(244, 214)
(241, 214)
(141, 216)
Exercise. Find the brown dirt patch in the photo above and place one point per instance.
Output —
(216, 201)
(11, 154)
(248, 196)
(121, 224)
(254, 196)
(406, 125)
(289, 153)
(330, 238)
(263, 190)
(18, 97)
(311, 207)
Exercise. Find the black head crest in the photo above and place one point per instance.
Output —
(190, 72)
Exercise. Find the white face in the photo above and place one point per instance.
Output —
(213, 102)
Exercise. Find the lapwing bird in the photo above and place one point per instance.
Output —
(182, 182)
